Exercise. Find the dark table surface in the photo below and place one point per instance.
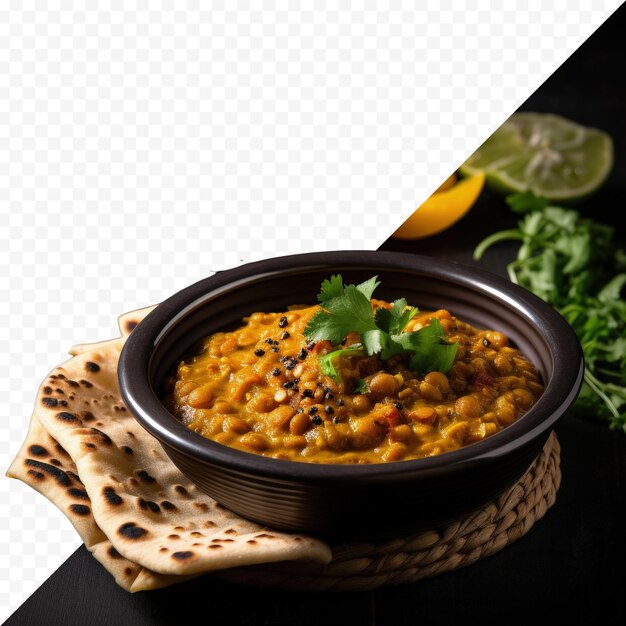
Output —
(567, 569)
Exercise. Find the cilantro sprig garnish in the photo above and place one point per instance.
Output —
(327, 361)
(348, 308)
(572, 263)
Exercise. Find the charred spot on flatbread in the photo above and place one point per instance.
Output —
(113, 553)
(145, 477)
(130, 530)
(58, 474)
(148, 505)
(80, 509)
(37, 450)
(112, 497)
(65, 416)
(78, 493)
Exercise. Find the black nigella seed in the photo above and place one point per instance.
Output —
(310, 346)
(296, 389)
(276, 371)
(285, 335)
(486, 342)
(307, 393)
(273, 349)
(269, 340)
(282, 322)
(302, 354)
(329, 409)
(259, 352)
(319, 385)
(330, 395)
(313, 410)
(289, 384)
(317, 420)
(290, 364)
(340, 402)
(336, 419)
(398, 405)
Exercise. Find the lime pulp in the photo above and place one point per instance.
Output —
(546, 154)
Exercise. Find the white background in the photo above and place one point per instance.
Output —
(142, 148)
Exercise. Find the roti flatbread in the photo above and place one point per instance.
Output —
(153, 517)
(45, 466)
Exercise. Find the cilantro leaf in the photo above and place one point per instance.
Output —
(340, 315)
(367, 288)
(612, 290)
(331, 288)
(526, 202)
(374, 341)
(564, 258)
(430, 348)
(394, 320)
(348, 308)
(323, 326)
(327, 361)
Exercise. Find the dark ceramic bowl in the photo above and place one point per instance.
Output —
(352, 500)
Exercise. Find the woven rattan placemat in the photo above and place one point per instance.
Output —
(360, 567)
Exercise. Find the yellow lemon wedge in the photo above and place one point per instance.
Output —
(448, 183)
(443, 209)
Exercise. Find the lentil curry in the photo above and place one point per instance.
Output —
(261, 389)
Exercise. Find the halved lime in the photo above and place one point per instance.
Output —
(549, 155)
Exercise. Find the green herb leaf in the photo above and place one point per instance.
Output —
(331, 288)
(563, 258)
(613, 289)
(348, 312)
(394, 320)
(374, 341)
(430, 348)
(526, 202)
(367, 288)
(348, 308)
(326, 361)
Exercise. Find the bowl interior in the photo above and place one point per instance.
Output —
(224, 307)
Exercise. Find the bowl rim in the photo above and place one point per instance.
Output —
(560, 391)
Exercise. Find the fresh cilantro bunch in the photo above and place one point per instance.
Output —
(572, 263)
(348, 308)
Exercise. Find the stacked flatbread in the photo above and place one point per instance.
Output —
(136, 512)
